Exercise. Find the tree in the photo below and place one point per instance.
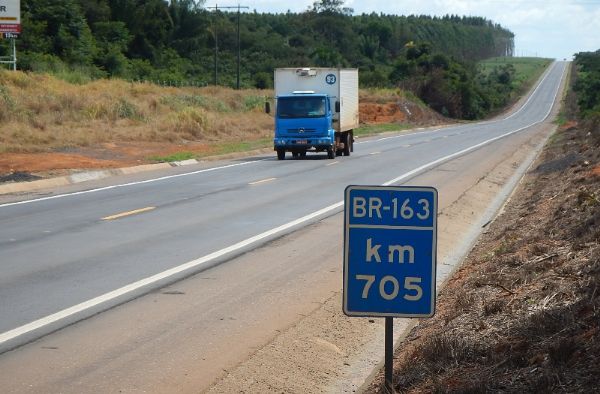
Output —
(331, 7)
(63, 23)
(160, 39)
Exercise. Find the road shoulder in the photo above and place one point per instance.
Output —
(523, 312)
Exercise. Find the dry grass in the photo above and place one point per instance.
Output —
(42, 113)
(523, 313)
(50, 127)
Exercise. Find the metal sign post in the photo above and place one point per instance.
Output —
(12, 59)
(390, 247)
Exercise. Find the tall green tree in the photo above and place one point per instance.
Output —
(63, 28)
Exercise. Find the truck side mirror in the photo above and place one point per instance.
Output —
(267, 107)
(337, 106)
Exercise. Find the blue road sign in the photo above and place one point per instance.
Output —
(390, 235)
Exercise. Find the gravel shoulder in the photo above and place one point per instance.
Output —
(523, 312)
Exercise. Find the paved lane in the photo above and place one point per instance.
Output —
(59, 252)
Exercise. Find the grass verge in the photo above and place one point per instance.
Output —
(179, 156)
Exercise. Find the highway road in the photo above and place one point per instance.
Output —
(69, 255)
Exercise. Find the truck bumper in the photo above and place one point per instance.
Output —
(299, 144)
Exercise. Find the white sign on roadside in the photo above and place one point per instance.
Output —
(10, 17)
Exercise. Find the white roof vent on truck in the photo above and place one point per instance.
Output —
(303, 92)
(306, 72)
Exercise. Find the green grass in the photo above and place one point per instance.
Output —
(215, 150)
(179, 156)
(245, 146)
(528, 69)
(380, 128)
(561, 119)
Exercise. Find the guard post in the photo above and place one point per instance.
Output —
(390, 249)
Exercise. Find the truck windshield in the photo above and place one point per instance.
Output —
(301, 107)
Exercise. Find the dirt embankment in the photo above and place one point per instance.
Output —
(523, 313)
(398, 110)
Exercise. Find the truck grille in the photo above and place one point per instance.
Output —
(301, 130)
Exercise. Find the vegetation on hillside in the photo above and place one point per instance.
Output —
(41, 113)
(461, 90)
(588, 89)
(174, 42)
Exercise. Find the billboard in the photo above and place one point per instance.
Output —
(10, 18)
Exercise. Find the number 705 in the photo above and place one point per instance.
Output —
(414, 292)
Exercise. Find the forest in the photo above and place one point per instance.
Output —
(191, 42)
(588, 83)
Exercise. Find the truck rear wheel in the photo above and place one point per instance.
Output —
(280, 154)
(347, 144)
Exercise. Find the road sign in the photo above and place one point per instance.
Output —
(390, 237)
(10, 17)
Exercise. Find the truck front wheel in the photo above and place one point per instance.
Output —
(280, 154)
(330, 153)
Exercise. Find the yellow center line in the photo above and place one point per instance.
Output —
(262, 181)
(333, 163)
(128, 213)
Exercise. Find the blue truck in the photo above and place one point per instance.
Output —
(316, 110)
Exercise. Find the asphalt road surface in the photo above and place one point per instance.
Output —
(66, 256)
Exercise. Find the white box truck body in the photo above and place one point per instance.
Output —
(316, 110)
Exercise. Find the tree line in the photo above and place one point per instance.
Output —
(587, 87)
(588, 82)
(175, 41)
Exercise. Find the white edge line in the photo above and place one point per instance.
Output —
(466, 150)
(130, 184)
(474, 124)
(254, 161)
(14, 333)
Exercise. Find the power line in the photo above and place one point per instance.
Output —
(217, 8)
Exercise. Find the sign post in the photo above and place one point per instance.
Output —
(390, 235)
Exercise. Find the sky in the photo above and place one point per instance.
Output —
(545, 28)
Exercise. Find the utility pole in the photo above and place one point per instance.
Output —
(216, 8)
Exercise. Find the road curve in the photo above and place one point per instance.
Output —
(68, 256)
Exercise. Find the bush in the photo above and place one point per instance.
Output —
(263, 80)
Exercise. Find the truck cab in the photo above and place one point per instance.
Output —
(303, 122)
